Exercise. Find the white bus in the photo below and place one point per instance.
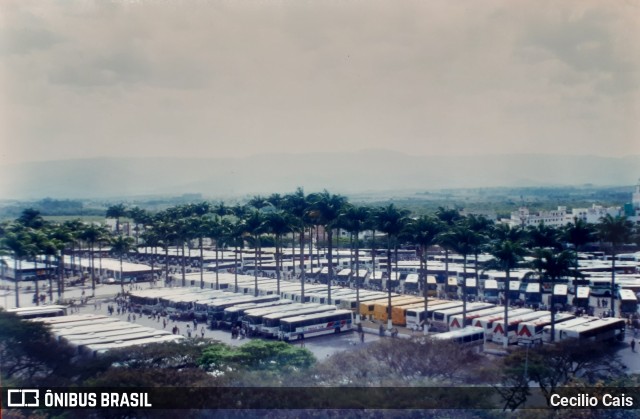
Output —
(546, 331)
(416, 316)
(271, 322)
(502, 332)
(487, 322)
(101, 348)
(491, 291)
(105, 321)
(455, 322)
(600, 286)
(607, 329)
(233, 314)
(467, 336)
(530, 332)
(252, 318)
(39, 311)
(441, 317)
(215, 310)
(69, 319)
(628, 302)
(309, 325)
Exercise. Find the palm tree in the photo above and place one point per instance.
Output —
(64, 237)
(139, 217)
(325, 209)
(578, 233)
(616, 231)
(16, 241)
(278, 224)
(507, 251)
(464, 242)
(50, 248)
(448, 217)
(254, 226)
(235, 232)
(552, 265)
(482, 227)
(35, 244)
(117, 211)
(543, 236)
(423, 233)
(391, 221)
(151, 240)
(297, 205)
(355, 220)
(91, 235)
(120, 247)
(74, 228)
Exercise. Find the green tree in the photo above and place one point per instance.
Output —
(578, 233)
(391, 221)
(120, 247)
(117, 211)
(507, 251)
(279, 223)
(325, 209)
(552, 266)
(616, 231)
(423, 232)
(355, 219)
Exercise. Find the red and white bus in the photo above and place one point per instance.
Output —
(502, 332)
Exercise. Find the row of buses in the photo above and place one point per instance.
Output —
(94, 334)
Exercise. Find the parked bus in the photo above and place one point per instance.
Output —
(102, 348)
(381, 309)
(71, 318)
(491, 291)
(441, 317)
(628, 302)
(233, 315)
(530, 332)
(487, 322)
(601, 287)
(39, 311)
(215, 310)
(271, 322)
(416, 316)
(514, 290)
(310, 325)
(559, 295)
(510, 332)
(367, 308)
(546, 331)
(533, 294)
(455, 321)
(468, 336)
(582, 296)
(607, 329)
(349, 303)
(399, 312)
(252, 318)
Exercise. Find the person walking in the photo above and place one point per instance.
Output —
(633, 345)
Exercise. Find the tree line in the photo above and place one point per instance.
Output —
(298, 220)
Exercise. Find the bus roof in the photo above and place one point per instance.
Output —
(314, 316)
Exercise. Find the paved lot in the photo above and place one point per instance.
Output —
(321, 347)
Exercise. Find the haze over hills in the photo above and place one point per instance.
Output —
(370, 170)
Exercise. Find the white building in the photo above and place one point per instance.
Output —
(561, 216)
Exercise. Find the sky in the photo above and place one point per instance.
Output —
(83, 78)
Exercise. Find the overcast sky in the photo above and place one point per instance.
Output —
(232, 78)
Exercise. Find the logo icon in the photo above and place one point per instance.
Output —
(23, 398)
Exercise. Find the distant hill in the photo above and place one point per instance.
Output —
(371, 170)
